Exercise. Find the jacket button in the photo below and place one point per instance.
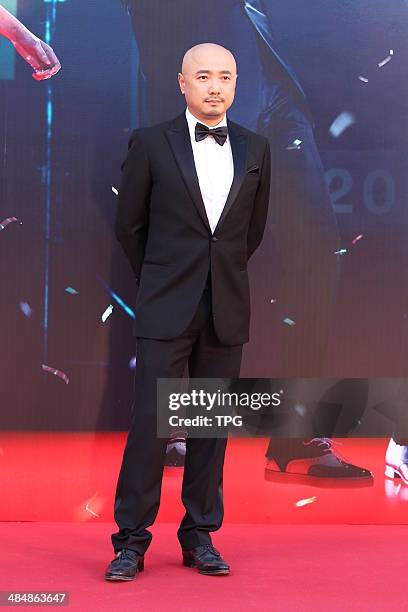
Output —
(214, 238)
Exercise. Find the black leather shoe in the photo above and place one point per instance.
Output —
(206, 559)
(125, 565)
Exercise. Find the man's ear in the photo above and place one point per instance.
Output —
(181, 82)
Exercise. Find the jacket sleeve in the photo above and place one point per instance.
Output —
(131, 223)
(260, 210)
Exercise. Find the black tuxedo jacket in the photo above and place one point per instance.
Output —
(163, 228)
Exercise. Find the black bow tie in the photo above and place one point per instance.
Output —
(219, 133)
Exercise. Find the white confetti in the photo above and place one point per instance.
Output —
(107, 313)
(295, 144)
(88, 509)
(341, 123)
(363, 79)
(385, 60)
(115, 191)
(305, 502)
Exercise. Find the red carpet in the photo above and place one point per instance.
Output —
(66, 482)
(279, 568)
(72, 477)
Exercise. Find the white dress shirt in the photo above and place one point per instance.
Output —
(215, 169)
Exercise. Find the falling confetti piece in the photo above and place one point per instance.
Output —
(363, 79)
(107, 313)
(288, 321)
(340, 252)
(115, 191)
(357, 238)
(26, 309)
(71, 290)
(56, 372)
(305, 502)
(273, 300)
(90, 508)
(385, 61)
(295, 144)
(132, 363)
(7, 221)
(341, 123)
(391, 51)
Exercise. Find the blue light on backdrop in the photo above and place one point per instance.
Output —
(7, 55)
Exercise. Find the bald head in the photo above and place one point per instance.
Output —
(205, 53)
(207, 79)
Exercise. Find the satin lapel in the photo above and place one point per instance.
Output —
(179, 140)
(239, 147)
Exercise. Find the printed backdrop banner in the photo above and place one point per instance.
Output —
(326, 82)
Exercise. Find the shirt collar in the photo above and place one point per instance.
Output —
(192, 121)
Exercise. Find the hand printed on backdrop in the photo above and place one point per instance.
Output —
(32, 49)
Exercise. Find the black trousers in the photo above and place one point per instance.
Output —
(139, 485)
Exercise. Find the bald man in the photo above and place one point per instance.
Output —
(192, 209)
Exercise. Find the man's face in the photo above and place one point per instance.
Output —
(208, 82)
